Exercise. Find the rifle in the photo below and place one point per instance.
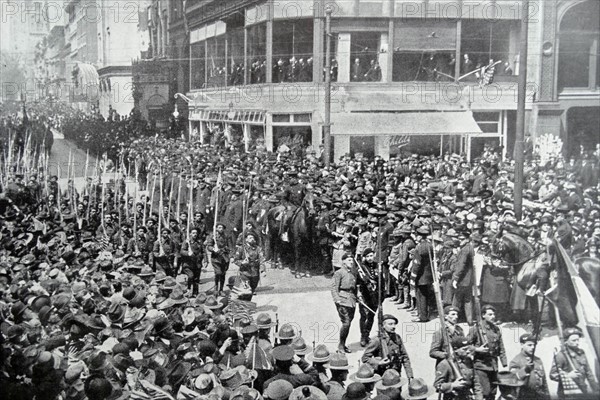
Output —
(137, 250)
(365, 275)
(440, 306)
(384, 348)
(160, 212)
(276, 329)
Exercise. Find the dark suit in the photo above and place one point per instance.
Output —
(463, 276)
(423, 279)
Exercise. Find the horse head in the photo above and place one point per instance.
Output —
(512, 248)
(589, 270)
(309, 204)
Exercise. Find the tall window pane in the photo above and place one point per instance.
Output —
(216, 61)
(257, 53)
(364, 57)
(235, 62)
(198, 65)
(292, 51)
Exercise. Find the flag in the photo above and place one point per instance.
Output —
(573, 300)
(256, 357)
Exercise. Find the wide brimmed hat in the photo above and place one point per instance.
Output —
(365, 374)
(320, 354)
(264, 321)
(338, 361)
(286, 332)
(307, 392)
(176, 298)
(417, 389)
(390, 379)
(300, 347)
(356, 391)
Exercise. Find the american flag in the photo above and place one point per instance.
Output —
(256, 357)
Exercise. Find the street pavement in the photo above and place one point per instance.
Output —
(307, 304)
(58, 164)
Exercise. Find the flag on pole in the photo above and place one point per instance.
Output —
(219, 184)
(573, 300)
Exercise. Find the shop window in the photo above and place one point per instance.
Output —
(417, 144)
(488, 121)
(216, 62)
(485, 40)
(281, 118)
(295, 138)
(198, 65)
(364, 145)
(424, 66)
(302, 118)
(293, 51)
(364, 57)
(257, 138)
(479, 145)
(257, 53)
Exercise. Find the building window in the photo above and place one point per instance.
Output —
(292, 51)
(295, 138)
(257, 53)
(489, 122)
(484, 40)
(424, 66)
(216, 61)
(198, 65)
(424, 50)
(579, 44)
(235, 61)
(364, 145)
(364, 57)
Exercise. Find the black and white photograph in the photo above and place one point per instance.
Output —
(299, 199)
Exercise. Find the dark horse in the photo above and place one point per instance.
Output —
(521, 256)
(299, 231)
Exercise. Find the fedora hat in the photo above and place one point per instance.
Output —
(365, 374)
(417, 389)
(390, 379)
(338, 361)
(319, 355)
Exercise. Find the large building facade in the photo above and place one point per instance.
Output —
(406, 73)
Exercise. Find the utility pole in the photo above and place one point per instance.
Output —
(519, 155)
(327, 124)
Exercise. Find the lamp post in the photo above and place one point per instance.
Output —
(327, 124)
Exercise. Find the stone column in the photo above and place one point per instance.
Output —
(343, 56)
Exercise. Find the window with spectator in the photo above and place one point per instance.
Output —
(198, 65)
(216, 61)
(235, 50)
(292, 51)
(364, 57)
(486, 40)
(424, 51)
(256, 61)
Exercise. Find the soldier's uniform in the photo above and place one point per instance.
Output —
(163, 261)
(140, 245)
(445, 375)
(486, 364)
(394, 347)
(368, 289)
(536, 387)
(568, 359)
(438, 349)
(218, 250)
(250, 259)
(423, 278)
(191, 255)
(343, 291)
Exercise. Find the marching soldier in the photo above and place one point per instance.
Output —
(367, 294)
(192, 251)
(439, 347)
(489, 347)
(251, 261)
(139, 246)
(163, 253)
(343, 291)
(571, 363)
(217, 247)
(457, 379)
(388, 351)
(529, 368)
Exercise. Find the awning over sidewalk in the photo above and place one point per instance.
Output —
(410, 123)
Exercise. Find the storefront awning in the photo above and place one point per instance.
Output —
(411, 123)
(253, 117)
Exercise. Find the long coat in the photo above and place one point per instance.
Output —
(495, 285)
